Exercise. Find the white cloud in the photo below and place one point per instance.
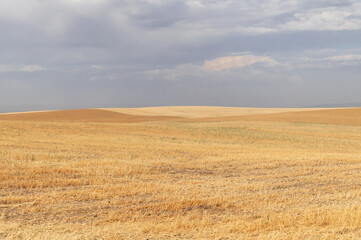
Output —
(344, 58)
(20, 68)
(97, 67)
(332, 18)
(235, 61)
(176, 73)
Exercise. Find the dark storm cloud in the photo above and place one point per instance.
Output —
(152, 52)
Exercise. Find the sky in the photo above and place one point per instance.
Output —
(66, 54)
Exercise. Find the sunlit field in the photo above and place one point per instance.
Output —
(266, 177)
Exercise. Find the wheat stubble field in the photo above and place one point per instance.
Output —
(101, 174)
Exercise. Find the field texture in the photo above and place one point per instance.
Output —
(203, 111)
(94, 174)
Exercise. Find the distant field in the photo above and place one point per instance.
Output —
(203, 112)
(98, 174)
(349, 116)
(83, 115)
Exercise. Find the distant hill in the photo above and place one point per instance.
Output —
(83, 115)
(347, 116)
(24, 108)
(141, 114)
(350, 116)
(202, 111)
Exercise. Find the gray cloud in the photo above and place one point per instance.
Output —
(151, 52)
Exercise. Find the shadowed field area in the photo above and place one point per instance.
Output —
(83, 115)
(96, 176)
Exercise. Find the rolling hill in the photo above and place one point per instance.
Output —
(83, 115)
(349, 116)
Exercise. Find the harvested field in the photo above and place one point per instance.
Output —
(349, 116)
(96, 174)
(202, 111)
(83, 115)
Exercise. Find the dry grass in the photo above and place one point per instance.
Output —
(203, 111)
(349, 116)
(179, 180)
(83, 115)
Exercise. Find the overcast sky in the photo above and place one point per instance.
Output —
(132, 53)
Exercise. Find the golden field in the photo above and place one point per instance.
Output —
(203, 111)
(99, 174)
